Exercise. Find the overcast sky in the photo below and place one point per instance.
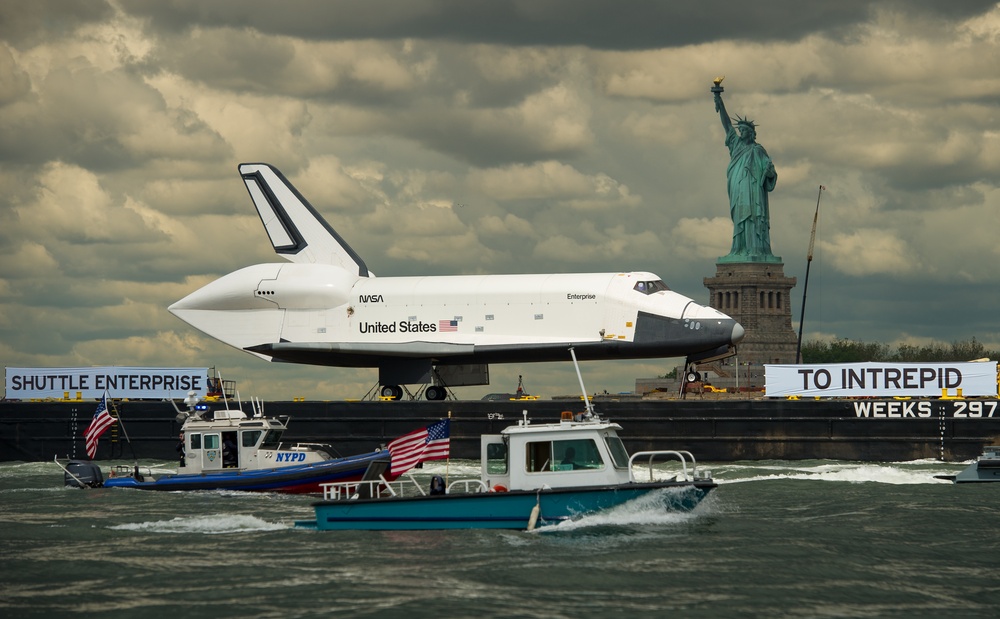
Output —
(457, 137)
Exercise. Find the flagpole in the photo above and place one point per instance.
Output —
(125, 432)
(447, 463)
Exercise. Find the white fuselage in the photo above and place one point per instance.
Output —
(441, 316)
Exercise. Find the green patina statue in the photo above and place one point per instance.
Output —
(751, 176)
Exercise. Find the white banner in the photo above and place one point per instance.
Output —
(119, 382)
(836, 380)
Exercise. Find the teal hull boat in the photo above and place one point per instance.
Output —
(531, 476)
(520, 510)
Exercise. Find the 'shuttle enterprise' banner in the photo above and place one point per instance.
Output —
(119, 382)
(835, 380)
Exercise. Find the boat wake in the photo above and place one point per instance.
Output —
(895, 473)
(657, 508)
(218, 524)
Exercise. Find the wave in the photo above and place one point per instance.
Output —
(217, 524)
(652, 509)
(896, 473)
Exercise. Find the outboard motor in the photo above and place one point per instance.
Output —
(437, 485)
(83, 473)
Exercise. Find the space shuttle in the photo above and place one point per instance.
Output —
(324, 307)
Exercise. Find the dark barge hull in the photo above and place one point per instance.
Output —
(714, 430)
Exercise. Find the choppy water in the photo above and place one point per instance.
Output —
(776, 539)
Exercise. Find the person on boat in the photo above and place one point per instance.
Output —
(180, 449)
(569, 458)
(229, 455)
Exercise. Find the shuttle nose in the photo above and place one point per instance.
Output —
(738, 333)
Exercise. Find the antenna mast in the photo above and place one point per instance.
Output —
(805, 285)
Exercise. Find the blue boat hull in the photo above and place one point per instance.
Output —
(300, 479)
(494, 510)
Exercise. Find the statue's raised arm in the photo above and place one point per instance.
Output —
(720, 107)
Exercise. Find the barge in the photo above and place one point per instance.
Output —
(717, 429)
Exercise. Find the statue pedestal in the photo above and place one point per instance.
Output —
(758, 296)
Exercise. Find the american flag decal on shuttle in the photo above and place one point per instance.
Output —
(447, 325)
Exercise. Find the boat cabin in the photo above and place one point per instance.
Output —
(574, 452)
(229, 439)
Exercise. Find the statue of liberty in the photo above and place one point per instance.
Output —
(751, 176)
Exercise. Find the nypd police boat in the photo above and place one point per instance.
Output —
(229, 449)
(532, 476)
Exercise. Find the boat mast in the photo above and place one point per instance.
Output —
(586, 400)
(805, 285)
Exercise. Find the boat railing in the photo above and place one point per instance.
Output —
(369, 489)
(684, 456)
(127, 470)
(469, 486)
(344, 490)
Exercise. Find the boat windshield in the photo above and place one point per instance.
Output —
(575, 455)
(496, 459)
(618, 452)
(249, 438)
(272, 440)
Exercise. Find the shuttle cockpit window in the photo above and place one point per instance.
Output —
(651, 287)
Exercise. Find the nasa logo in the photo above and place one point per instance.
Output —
(370, 298)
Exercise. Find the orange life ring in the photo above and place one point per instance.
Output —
(499, 488)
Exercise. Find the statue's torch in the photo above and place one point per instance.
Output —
(717, 90)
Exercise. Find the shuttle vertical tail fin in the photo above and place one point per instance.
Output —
(297, 231)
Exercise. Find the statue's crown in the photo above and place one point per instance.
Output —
(745, 121)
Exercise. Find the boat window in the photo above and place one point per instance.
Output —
(250, 438)
(651, 286)
(272, 439)
(195, 441)
(211, 441)
(576, 455)
(539, 457)
(618, 452)
(496, 459)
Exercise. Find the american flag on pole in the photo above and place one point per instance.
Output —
(447, 325)
(430, 443)
(102, 421)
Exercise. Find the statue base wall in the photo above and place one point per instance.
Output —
(758, 296)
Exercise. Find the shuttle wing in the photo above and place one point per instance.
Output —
(297, 231)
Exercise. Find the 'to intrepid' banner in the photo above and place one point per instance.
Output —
(834, 380)
(119, 382)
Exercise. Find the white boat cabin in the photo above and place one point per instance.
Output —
(213, 441)
(575, 452)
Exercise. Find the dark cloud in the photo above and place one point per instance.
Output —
(14, 82)
(24, 24)
(641, 24)
(230, 59)
(857, 309)
(101, 120)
